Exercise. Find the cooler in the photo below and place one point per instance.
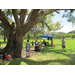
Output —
(37, 48)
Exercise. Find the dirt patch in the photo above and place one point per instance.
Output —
(32, 52)
(23, 53)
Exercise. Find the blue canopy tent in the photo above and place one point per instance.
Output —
(47, 36)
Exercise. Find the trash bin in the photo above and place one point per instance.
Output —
(37, 48)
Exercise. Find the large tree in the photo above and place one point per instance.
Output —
(16, 33)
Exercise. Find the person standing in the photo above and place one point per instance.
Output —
(52, 43)
(44, 42)
(32, 43)
(27, 49)
(63, 44)
(36, 42)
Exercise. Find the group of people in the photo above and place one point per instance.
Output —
(40, 44)
(8, 57)
(28, 46)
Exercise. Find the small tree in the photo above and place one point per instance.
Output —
(72, 35)
(67, 35)
(59, 36)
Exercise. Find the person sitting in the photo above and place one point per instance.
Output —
(44, 42)
(40, 44)
(6, 57)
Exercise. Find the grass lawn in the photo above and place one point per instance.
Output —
(49, 56)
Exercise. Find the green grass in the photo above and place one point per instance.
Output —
(49, 56)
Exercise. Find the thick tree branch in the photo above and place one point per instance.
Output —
(6, 31)
(5, 22)
(32, 14)
(14, 11)
(1, 25)
(31, 21)
(57, 12)
(23, 15)
(43, 13)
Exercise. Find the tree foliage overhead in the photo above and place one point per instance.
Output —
(69, 14)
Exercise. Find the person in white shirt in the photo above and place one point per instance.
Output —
(27, 49)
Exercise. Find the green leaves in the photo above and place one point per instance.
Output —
(58, 25)
(55, 26)
(8, 12)
(58, 35)
(69, 15)
(52, 26)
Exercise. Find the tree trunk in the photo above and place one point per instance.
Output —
(34, 35)
(13, 46)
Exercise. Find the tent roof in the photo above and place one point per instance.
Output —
(46, 36)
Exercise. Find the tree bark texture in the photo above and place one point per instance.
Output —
(13, 47)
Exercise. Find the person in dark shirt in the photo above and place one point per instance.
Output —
(32, 43)
(4, 55)
(52, 43)
(44, 42)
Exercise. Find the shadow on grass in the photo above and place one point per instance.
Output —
(69, 61)
(46, 62)
(56, 50)
(32, 62)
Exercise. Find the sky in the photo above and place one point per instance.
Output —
(67, 26)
